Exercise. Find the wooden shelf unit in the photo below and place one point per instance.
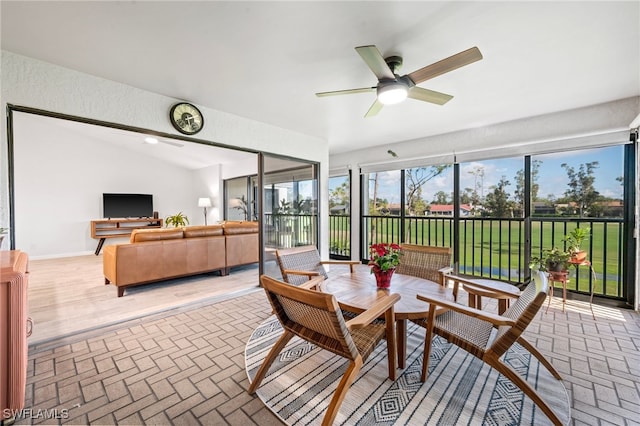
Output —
(102, 229)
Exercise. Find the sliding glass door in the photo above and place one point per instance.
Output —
(289, 207)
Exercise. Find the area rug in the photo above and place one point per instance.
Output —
(460, 388)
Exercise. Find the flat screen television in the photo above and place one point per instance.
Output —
(127, 205)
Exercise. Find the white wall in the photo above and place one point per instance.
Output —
(207, 183)
(59, 180)
(240, 168)
(36, 84)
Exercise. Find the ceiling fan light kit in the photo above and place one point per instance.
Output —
(392, 88)
(392, 92)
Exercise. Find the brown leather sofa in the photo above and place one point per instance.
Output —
(159, 254)
(242, 243)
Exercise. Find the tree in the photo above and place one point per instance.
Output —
(581, 189)
(376, 208)
(478, 184)
(466, 196)
(518, 193)
(497, 202)
(415, 179)
(440, 197)
(339, 196)
(420, 207)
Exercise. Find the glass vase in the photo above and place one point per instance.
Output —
(383, 278)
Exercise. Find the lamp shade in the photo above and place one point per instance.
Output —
(204, 202)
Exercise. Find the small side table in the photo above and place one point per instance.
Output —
(479, 288)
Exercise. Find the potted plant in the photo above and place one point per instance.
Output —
(282, 215)
(573, 240)
(551, 260)
(383, 259)
(176, 220)
(241, 205)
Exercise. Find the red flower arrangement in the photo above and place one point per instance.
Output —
(384, 256)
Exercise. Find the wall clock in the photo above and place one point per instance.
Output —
(186, 118)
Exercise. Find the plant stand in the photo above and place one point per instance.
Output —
(563, 278)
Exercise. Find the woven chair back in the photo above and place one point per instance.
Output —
(311, 315)
(522, 311)
(423, 261)
(305, 258)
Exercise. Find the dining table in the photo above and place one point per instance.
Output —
(357, 291)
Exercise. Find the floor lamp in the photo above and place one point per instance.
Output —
(204, 202)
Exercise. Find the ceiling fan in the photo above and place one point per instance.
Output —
(392, 88)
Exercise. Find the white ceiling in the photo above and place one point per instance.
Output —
(265, 60)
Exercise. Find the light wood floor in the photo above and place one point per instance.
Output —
(68, 295)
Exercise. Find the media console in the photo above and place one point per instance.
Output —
(102, 229)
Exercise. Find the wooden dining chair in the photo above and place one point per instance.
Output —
(300, 264)
(428, 262)
(316, 318)
(488, 336)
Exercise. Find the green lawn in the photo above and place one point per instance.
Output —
(495, 247)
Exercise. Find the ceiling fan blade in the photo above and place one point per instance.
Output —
(428, 95)
(448, 64)
(372, 56)
(375, 108)
(347, 92)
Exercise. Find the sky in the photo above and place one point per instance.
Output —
(552, 178)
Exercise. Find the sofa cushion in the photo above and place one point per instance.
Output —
(202, 231)
(242, 249)
(231, 228)
(140, 235)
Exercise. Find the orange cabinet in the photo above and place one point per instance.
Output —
(14, 280)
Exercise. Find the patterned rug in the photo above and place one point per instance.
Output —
(460, 388)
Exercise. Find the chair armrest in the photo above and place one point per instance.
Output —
(312, 283)
(446, 270)
(367, 317)
(444, 273)
(495, 319)
(310, 274)
(490, 288)
(351, 263)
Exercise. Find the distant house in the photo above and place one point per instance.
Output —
(447, 210)
(614, 208)
(393, 209)
(340, 209)
(542, 208)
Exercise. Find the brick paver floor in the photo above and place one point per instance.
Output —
(186, 366)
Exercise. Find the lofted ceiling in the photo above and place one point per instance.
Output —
(266, 60)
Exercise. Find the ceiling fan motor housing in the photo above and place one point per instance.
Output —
(394, 63)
